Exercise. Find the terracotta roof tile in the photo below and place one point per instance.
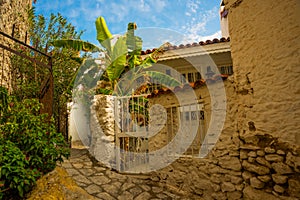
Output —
(181, 46)
(193, 85)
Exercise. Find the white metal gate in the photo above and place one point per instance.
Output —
(132, 132)
(132, 114)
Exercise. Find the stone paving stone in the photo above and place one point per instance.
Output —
(115, 175)
(111, 189)
(99, 174)
(138, 181)
(135, 191)
(145, 187)
(162, 196)
(143, 196)
(104, 183)
(87, 164)
(105, 196)
(66, 165)
(72, 172)
(93, 189)
(85, 158)
(99, 180)
(157, 189)
(125, 196)
(82, 179)
(173, 196)
(78, 165)
(100, 169)
(75, 160)
(87, 172)
(83, 185)
(117, 185)
(126, 186)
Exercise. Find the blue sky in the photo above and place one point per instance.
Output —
(186, 20)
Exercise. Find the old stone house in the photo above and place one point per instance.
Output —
(256, 153)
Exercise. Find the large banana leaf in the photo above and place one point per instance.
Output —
(162, 78)
(134, 43)
(125, 86)
(77, 45)
(134, 46)
(118, 59)
(103, 34)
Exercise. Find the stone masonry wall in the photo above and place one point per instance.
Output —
(218, 175)
(265, 51)
(102, 124)
(160, 115)
(257, 155)
(11, 13)
(254, 167)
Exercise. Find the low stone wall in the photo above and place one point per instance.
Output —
(260, 168)
(102, 129)
(271, 166)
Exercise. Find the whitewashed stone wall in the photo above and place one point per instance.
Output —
(102, 123)
(79, 124)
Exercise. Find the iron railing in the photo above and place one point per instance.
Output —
(46, 92)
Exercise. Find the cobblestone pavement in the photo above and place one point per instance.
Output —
(104, 183)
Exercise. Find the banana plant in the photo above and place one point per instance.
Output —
(125, 52)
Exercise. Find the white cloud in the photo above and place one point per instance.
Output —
(197, 26)
(217, 35)
(158, 5)
(143, 6)
(190, 38)
(87, 11)
(193, 5)
(117, 12)
(188, 14)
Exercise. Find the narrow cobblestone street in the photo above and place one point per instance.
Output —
(107, 184)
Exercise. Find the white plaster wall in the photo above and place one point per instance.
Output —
(79, 128)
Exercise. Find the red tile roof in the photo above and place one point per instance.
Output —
(193, 85)
(182, 46)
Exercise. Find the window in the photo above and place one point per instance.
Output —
(193, 115)
(226, 70)
(198, 76)
(191, 77)
(183, 78)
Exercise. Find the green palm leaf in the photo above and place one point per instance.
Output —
(162, 78)
(118, 59)
(103, 34)
(77, 45)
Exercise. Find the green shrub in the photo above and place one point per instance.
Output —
(29, 145)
